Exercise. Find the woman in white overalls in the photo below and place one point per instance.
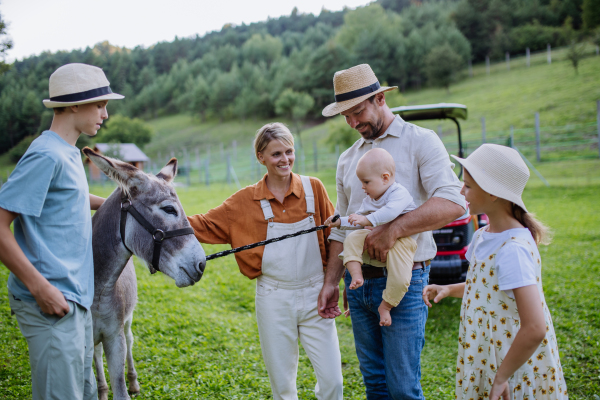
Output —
(289, 273)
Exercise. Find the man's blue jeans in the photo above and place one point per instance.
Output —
(390, 356)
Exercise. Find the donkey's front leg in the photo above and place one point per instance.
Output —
(116, 349)
(134, 386)
(100, 378)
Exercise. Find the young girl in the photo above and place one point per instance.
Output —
(507, 346)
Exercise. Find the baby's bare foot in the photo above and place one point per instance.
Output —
(385, 319)
(356, 283)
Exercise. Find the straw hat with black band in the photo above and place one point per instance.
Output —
(352, 86)
(74, 84)
(498, 170)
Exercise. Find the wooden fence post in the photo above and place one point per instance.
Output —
(228, 169)
(537, 137)
(199, 163)
(207, 165)
(598, 123)
(482, 130)
(315, 156)
(512, 136)
(527, 54)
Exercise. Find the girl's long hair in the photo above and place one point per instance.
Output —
(540, 232)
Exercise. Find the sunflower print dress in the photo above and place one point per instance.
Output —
(489, 322)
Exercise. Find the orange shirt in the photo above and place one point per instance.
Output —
(240, 220)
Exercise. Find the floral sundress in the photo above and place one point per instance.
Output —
(489, 322)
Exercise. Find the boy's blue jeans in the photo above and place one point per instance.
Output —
(389, 356)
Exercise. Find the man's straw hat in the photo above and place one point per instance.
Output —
(74, 84)
(499, 170)
(352, 86)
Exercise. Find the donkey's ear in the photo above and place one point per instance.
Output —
(169, 171)
(125, 175)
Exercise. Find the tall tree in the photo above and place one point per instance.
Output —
(294, 105)
(5, 45)
(442, 65)
(591, 13)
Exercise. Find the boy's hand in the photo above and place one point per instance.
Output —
(356, 219)
(51, 300)
(332, 224)
(435, 292)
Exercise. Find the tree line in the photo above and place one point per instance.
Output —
(285, 66)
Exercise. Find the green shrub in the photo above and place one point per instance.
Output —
(19, 150)
(120, 129)
(442, 65)
(536, 37)
(340, 133)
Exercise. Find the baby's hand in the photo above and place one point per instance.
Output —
(356, 219)
(332, 224)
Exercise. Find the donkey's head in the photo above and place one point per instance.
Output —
(154, 198)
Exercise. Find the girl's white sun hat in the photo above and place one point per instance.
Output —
(498, 170)
(75, 83)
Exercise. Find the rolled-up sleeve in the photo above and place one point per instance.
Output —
(436, 171)
(212, 227)
(341, 206)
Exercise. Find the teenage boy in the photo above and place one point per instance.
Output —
(51, 284)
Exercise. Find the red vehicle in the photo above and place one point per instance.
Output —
(449, 264)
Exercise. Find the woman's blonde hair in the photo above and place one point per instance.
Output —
(540, 232)
(269, 132)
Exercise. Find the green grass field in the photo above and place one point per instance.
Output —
(202, 341)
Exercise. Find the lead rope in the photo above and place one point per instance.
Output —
(265, 242)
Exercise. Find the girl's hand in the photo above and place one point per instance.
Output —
(356, 219)
(435, 292)
(332, 224)
(499, 391)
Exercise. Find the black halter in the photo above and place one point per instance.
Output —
(157, 234)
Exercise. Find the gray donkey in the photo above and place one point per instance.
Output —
(180, 256)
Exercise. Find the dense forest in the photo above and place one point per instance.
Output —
(284, 66)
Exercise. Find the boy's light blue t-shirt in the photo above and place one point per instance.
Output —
(49, 191)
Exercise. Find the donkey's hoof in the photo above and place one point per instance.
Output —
(134, 390)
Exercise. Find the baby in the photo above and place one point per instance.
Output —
(385, 201)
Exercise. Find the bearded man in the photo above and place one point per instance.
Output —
(389, 356)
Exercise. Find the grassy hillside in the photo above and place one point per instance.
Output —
(505, 98)
(512, 97)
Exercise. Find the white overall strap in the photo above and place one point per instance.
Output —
(475, 243)
(308, 194)
(267, 210)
